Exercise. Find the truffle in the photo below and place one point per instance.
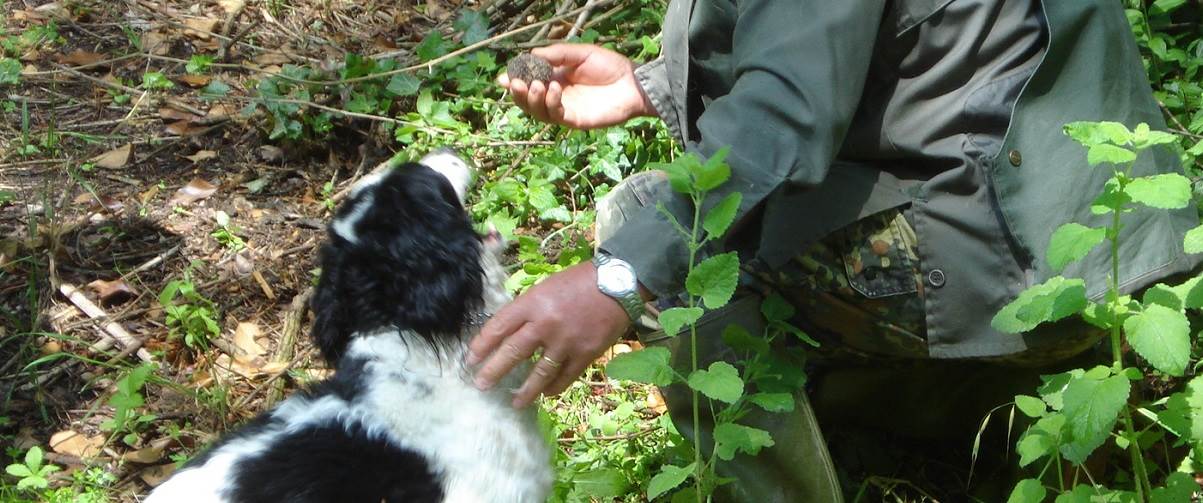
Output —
(529, 68)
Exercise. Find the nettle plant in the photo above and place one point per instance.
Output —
(1078, 411)
(710, 284)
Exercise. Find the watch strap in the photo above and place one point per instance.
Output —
(630, 301)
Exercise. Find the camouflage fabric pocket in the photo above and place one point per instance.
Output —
(879, 256)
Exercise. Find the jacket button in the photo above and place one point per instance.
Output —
(1015, 157)
(935, 278)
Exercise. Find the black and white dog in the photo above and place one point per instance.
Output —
(405, 282)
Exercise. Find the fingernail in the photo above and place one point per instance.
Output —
(481, 383)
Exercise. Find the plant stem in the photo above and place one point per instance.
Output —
(1138, 466)
(698, 467)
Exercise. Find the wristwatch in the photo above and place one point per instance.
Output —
(616, 278)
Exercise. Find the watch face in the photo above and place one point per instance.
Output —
(615, 278)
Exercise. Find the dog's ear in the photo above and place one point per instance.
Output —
(402, 254)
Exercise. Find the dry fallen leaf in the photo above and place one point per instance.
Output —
(155, 475)
(201, 155)
(244, 342)
(220, 111)
(155, 42)
(149, 454)
(76, 444)
(183, 128)
(201, 28)
(272, 58)
(231, 6)
(177, 115)
(112, 292)
(81, 58)
(114, 159)
(29, 69)
(196, 190)
(195, 80)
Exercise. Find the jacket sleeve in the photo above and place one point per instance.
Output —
(799, 67)
(654, 80)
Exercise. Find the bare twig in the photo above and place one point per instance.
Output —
(293, 321)
(547, 27)
(113, 329)
(580, 19)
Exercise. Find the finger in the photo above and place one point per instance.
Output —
(512, 351)
(520, 91)
(546, 370)
(565, 54)
(570, 372)
(535, 100)
(555, 107)
(503, 80)
(503, 324)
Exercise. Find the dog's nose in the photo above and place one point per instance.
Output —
(456, 169)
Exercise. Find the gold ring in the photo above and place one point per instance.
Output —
(550, 363)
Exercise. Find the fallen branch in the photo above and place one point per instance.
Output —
(286, 351)
(113, 329)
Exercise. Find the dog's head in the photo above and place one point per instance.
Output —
(402, 254)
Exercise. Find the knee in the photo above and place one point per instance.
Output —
(638, 191)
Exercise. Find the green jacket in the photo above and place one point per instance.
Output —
(951, 109)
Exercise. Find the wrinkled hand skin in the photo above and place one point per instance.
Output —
(566, 316)
(591, 88)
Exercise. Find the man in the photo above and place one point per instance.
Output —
(902, 169)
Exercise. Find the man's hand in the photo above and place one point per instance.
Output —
(592, 88)
(566, 315)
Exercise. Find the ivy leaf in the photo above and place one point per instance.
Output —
(1030, 406)
(714, 172)
(1072, 242)
(720, 382)
(773, 402)
(1168, 191)
(730, 438)
(670, 476)
(473, 24)
(648, 365)
(403, 84)
(1091, 407)
(1028, 491)
(1193, 242)
(1162, 336)
(1049, 301)
(714, 279)
(737, 337)
(719, 218)
(673, 319)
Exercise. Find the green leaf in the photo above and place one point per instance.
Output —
(776, 308)
(473, 24)
(773, 402)
(1091, 407)
(672, 320)
(1103, 152)
(1030, 406)
(18, 470)
(601, 483)
(670, 476)
(1162, 336)
(1041, 439)
(1049, 301)
(432, 46)
(714, 279)
(730, 438)
(33, 458)
(1193, 241)
(1095, 133)
(32, 482)
(403, 84)
(1143, 137)
(1166, 6)
(156, 80)
(198, 63)
(1028, 491)
(648, 365)
(719, 218)
(215, 90)
(1112, 199)
(1179, 488)
(720, 382)
(1183, 414)
(737, 337)
(10, 71)
(1072, 242)
(1168, 191)
(714, 172)
(1162, 295)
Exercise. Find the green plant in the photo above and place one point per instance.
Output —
(194, 317)
(32, 473)
(710, 283)
(225, 233)
(10, 71)
(126, 401)
(1078, 411)
(152, 81)
(198, 63)
(1171, 39)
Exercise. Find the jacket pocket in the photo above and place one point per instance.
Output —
(879, 256)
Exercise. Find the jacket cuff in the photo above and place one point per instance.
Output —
(653, 78)
(654, 248)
